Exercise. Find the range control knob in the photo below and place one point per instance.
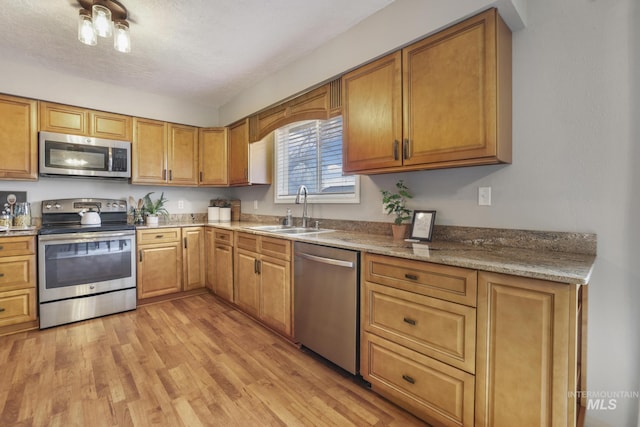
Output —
(47, 206)
(57, 206)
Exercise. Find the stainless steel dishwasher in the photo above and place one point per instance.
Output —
(326, 303)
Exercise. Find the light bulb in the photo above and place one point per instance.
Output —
(121, 39)
(86, 31)
(102, 20)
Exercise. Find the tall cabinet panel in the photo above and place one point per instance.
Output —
(18, 138)
(239, 153)
(149, 152)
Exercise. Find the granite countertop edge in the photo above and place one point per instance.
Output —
(563, 267)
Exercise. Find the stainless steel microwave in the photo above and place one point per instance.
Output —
(81, 156)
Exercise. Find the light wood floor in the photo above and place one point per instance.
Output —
(188, 362)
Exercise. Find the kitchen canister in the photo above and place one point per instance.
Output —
(22, 215)
(213, 214)
(225, 214)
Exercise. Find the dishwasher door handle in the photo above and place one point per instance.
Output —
(324, 260)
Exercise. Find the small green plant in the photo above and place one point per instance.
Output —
(394, 203)
(156, 207)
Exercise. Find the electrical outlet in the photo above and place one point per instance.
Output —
(255, 205)
(180, 204)
(484, 196)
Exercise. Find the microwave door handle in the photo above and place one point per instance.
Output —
(110, 161)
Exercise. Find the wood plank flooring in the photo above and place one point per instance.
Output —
(188, 362)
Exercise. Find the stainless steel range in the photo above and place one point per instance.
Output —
(85, 270)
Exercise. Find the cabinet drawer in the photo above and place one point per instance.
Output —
(440, 329)
(17, 306)
(279, 248)
(453, 284)
(223, 237)
(19, 245)
(17, 272)
(430, 389)
(158, 235)
(247, 241)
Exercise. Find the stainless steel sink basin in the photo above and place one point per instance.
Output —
(281, 229)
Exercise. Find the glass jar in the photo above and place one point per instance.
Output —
(5, 220)
(22, 215)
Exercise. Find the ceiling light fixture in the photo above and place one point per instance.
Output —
(104, 18)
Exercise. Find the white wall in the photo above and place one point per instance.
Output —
(576, 107)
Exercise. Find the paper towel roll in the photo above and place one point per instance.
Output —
(213, 214)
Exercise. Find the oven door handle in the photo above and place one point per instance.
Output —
(84, 237)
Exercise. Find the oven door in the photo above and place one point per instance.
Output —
(80, 264)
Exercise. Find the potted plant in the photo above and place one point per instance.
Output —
(154, 208)
(394, 203)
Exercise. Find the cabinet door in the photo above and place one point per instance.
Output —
(209, 244)
(193, 258)
(372, 115)
(450, 90)
(110, 126)
(213, 157)
(523, 352)
(223, 271)
(246, 282)
(275, 293)
(159, 270)
(183, 155)
(18, 138)
(17, 306)
(64, 119)
(149, 152)
(239, 153)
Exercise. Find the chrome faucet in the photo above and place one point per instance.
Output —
(305, 219)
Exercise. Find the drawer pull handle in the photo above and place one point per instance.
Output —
(1, 248)
(408, 379)
(1, 309)
(1, 274)
(158, 236)
(409, 321)
(411, 276)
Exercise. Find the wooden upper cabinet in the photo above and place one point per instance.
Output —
(213, 157)
(372, 115)
(149, 152)
(110, 126)
(455, 102)
(183, 155)
(239, 153)
(81, 121)
(18, 138)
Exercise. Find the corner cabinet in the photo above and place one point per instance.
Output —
(164, 153)
(262, 280)
(444, 101)
(18, 310)
(18, 138)
(239, 153)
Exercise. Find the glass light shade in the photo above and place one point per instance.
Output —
(102, 20)
(121, 39)
(86, 31)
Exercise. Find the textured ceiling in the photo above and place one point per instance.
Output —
(202, 51)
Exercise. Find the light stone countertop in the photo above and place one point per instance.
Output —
(558, 266)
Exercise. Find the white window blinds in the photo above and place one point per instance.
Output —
(310, 153)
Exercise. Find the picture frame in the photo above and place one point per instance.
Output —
(422, 225)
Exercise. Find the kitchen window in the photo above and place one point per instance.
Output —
(310, 153)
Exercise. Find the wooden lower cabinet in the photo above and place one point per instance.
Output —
(220, 263)
(159, 262)
(518, 359)
(18, 307)
(193, 258)
(262, 280)
(528, 364)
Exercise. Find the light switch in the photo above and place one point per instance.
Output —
(484, 196)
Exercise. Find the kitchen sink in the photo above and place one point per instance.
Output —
(281, 229)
